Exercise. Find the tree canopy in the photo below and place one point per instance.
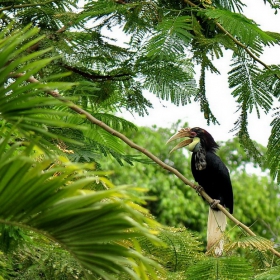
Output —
(167, 38)
(62, 81)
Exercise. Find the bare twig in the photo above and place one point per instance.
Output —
(130, 143)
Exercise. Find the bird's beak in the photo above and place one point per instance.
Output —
(184, 132)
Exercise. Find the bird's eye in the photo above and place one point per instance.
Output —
(193, 134)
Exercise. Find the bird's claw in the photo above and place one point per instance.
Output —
(199, 189)
(214, 203)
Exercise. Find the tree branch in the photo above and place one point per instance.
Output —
(130, 143)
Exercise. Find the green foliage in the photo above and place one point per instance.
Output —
(50, 206)
(178, 205)
(250, 93)
(273, 155)
(43, 192)
(272, 274)
(181, 249)
(220, 268)
(164, 41)
(66, 216)
(246, 30)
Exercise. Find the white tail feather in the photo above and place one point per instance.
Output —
(217, 222)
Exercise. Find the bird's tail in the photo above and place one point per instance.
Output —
(217, 222)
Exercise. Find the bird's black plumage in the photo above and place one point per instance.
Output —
(209, 170)
(214, 179)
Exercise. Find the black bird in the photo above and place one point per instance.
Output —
(211, 174)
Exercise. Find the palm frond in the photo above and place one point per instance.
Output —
(24, 104)
(88, 225)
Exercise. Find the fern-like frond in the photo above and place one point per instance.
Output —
(171, 38)
(271, 78)
(232, 5)
(246, 30)
(201, 93)
(272, 274)
(273, 147)
(252, 242)
(103, 11)
(261, 260)
(115, 122)
(182, 249)
(104, 138)
(252, 92)
(249, 87)
(241, 126)
(169, 80)
(234, 268)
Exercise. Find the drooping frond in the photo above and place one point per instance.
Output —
(232, 5)
(252, 93)
(273, 147)
(273, 156)
(234, 268)
(201, 93)
(171, 38)
(248, 87)
(274, 4)
(50, 202)
(115, 122)
(169, 80)
(246, 30)
(241, 126)
(253, 242)
(33, 112)
(181, 249)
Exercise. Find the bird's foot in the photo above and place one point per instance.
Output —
(198, 189)
(214, 203)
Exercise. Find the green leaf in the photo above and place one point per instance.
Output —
(222, 268)
(273, 154)
(246, 30)
(89, 225)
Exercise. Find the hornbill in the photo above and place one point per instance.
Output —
(211, 174)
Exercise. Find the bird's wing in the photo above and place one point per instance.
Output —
(222, 178)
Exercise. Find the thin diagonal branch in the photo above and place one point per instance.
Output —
(24, 5)
(144, 151)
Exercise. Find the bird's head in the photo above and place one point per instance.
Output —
(195, 137)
